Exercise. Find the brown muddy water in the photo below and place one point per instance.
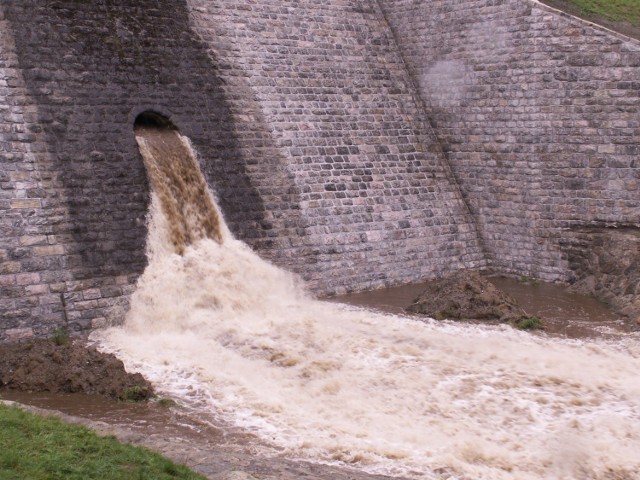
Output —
(148, 417)
(564, 313)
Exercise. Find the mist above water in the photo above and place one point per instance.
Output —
(224, 331)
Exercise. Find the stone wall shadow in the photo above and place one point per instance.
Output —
(90, 68)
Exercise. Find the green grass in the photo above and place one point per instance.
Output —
(44, 448)
(60, 336)
(619, 10)
(529, 323)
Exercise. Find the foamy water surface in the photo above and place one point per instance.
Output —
(387, 393)
(220, 329)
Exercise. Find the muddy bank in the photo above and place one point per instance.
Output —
(603, 303)
(70, 366)
(565, 313)
(466, 295)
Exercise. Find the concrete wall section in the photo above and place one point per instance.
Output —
(539, 114)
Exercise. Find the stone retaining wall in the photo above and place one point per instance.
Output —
(539, 114)
(28, 259)
(75, 192)
(359, 143)
(377, 203)
(304, 117)
(605, 263)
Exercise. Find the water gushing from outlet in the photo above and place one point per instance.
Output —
(224, 331)
(179, 185)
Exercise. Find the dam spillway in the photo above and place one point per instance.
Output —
(344, 142)
(180, 186)
(237, 339)
(360, 144)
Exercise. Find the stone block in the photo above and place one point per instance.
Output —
(17, 334)
(25, 203)
(49, 250)
(7, 280)
(27, 278)
(92, 294)
(10, 267)
(33, 240)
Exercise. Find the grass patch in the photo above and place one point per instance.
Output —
(529, 323)
(60, 336)
(439, 316)
(167, 403)
(619, 15)
(135, 394)
(44, 448)
(620, 10)
(529, 281)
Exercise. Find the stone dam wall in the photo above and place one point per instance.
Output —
(359, 143)
(539, 117)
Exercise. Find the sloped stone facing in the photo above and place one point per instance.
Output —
(605, 263)
(378, 206)
(539, 114)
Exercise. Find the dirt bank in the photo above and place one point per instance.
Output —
(466, 295)
(69, 366)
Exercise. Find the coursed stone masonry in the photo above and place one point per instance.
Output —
(539, 114)
(74, 190)
(304, 117)
(320, 126)
(377, 203)
(29, 259)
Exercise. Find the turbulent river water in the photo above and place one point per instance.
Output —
(232, 336)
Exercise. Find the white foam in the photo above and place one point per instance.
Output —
(222, 329)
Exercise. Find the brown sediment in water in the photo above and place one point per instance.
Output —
(565, 313)
(216, 449)
(150, 418)
(177, 180)
(421, 359)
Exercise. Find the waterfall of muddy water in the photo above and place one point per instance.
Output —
(178, 182)
(227, 333)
